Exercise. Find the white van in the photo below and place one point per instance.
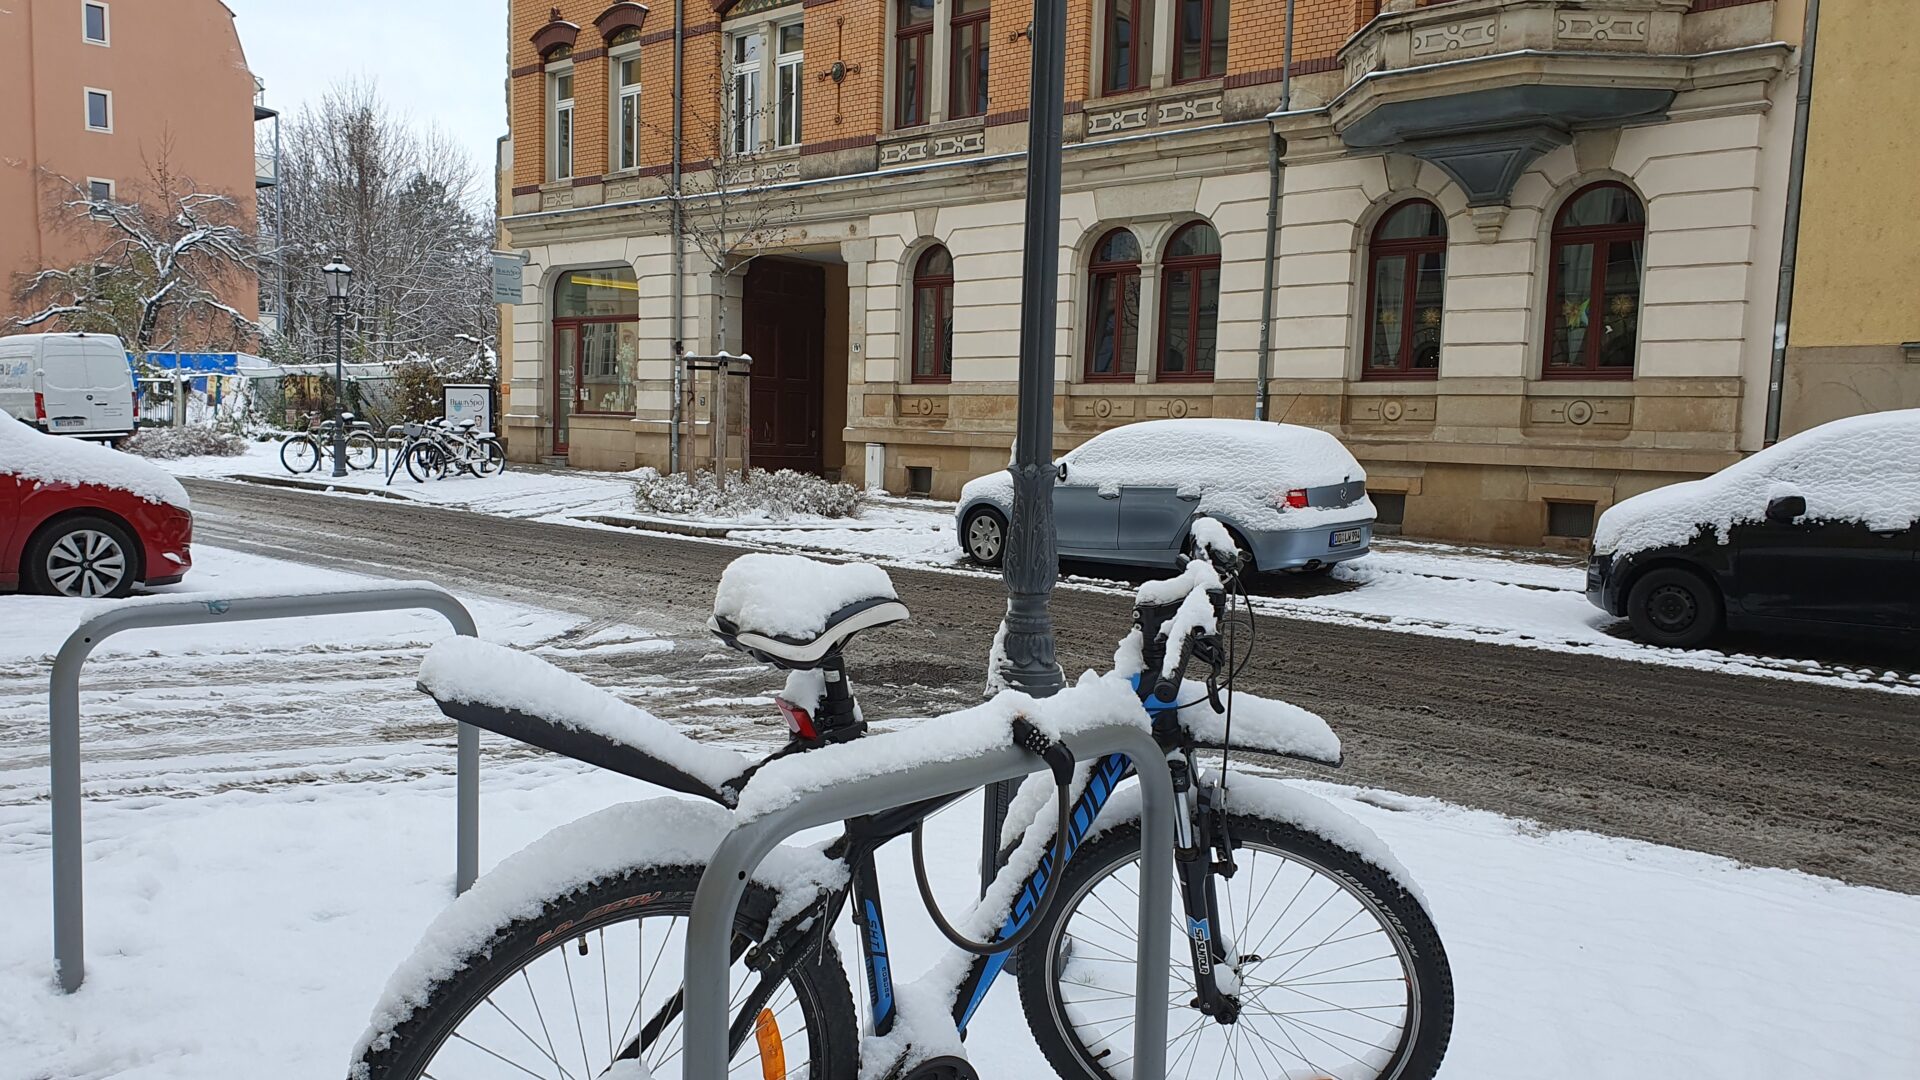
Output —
(69, 384)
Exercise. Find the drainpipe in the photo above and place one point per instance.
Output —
(1790, 239)
(677, 300)
(1276, 174)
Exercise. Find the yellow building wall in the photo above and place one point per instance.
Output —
(1858, 277)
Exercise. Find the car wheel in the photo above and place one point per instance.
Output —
(82, 557)
(984, 535)
(1675, 608)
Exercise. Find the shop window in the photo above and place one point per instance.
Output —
(1570, 520)
(596, 344)
(1406, 292)
(933, 316)
(1113, 306)
(1189, 303)
(1599, 253)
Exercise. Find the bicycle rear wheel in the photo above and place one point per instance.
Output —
(362, 451)
(300, 454)
(1340, 972)
(593, 975)
(425, 462)
(495, 460)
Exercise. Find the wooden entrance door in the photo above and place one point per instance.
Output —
(786, 334)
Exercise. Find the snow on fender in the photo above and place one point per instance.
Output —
(631, 836)
(1264, 797)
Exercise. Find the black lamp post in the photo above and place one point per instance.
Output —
(339, 276)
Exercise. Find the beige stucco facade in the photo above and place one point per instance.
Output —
(1477, 453)
(1854, 339)
(176, 80)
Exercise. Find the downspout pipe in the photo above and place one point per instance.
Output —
(1276, 175)
(1790, 236)
(676, 290)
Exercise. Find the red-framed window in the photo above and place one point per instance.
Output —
(1113, 306)
(912, 41)
(1189, 303)
(933, 316)
(1406, 292)
(969, 61)
(1200, 40)
(1598, 262)
(1125, 66)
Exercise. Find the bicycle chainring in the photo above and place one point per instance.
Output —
(942, 1068)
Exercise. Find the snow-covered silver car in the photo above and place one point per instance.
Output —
(1293, 497)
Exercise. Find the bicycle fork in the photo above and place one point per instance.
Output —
(1197, 831)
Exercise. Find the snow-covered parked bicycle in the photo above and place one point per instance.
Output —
(1303, 947)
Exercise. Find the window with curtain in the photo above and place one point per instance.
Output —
(1406, 292)
(912, 40)
(1200, 45)
(1129, 24)
(969, 68)
(933, 316)
(1599, 255)
(1113, 307)
(1189, 303)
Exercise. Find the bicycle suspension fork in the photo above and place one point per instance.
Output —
(1194, 844)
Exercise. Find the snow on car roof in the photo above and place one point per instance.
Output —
(1863, 469)
(56, 459)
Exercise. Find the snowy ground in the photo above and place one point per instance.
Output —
(1515, 598)
(270, 825)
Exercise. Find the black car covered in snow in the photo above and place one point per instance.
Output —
(1819, 533)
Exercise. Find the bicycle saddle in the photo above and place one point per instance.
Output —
(794, 612)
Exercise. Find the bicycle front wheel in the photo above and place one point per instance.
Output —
(1339, 970)
(495, 459)
(300, 454)
(362, 452)
(425, 462)
(595, 978)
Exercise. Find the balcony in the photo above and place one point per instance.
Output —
(1483, 87)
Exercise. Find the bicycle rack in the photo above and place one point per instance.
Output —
(724, 882)
(63, 728)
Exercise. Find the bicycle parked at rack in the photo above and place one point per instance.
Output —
(1302, 948)
(303, 451)
(431, 449)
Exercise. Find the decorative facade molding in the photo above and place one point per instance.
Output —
(1456, 37)
(1106, 121)
(1599, 29)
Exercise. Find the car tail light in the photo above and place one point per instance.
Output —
(1295, 499)
(136, 405)
(798, 722)
(40, 407)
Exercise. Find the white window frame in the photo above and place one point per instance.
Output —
(559, 109)
(94, 201)
(86, 108)
(625, 136)
(744, 78)
(783, 103)
(106, 23)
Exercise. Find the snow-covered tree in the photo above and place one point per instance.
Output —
(163, 261)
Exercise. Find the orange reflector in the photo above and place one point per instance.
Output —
(773, 1056)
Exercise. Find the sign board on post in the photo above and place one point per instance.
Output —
(506, 277)
(469, 401)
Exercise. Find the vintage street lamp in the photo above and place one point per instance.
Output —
(339, 276)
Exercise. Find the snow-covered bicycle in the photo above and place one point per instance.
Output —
(1303, 948)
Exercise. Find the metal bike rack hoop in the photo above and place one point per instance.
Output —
(63, 726)
(724, 882)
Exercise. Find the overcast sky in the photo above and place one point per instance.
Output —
(435, 61)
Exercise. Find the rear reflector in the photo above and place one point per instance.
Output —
(798, 722)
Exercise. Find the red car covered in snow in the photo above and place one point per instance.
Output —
(79, 519)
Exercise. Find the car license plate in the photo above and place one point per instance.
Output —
(1345, 538)
(69, 421)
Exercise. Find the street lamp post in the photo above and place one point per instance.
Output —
(1032, 561)
(339, 276)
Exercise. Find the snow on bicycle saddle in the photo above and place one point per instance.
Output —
(523, 697)
(793, 612)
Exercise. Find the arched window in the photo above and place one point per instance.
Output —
(933, 316)
(1189, 302)
(1593, 284)
(1407, 276)
(912, 41)
(1113, 304)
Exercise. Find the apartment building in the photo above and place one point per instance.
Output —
(1522, 254)
(95, 92)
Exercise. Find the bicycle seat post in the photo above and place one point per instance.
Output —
(838, 711)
